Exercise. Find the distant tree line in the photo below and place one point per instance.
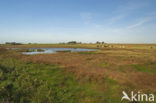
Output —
(71, 42)
(13, 43)
(98, 42)
(74, 42)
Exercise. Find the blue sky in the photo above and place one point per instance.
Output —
(53, 21)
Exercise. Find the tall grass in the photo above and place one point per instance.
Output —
(25, 82)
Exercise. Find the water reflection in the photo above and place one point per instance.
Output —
(54, 50)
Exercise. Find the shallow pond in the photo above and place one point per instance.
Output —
(54, 50)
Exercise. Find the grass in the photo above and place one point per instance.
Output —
(23, 83)
(40, 50)
(104, 64)
(115, 46)
(147, 68)
(74, 77)
(88, 52)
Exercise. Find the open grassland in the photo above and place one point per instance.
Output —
(127, 46)
(78, 77)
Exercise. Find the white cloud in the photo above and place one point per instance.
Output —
(141, 22)
(126, 10)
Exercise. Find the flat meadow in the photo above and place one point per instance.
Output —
(77, 77)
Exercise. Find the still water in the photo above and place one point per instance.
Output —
(54, 50)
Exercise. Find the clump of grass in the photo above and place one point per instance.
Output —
(40, 50)
(25, 50)
(145, 68)
(104, 64)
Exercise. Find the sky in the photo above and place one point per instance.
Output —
(54, 21)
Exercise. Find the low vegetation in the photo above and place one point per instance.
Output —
(76, 77)
(36, 83)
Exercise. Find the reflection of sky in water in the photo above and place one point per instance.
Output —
(53, 50)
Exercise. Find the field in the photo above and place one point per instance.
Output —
(77, 77)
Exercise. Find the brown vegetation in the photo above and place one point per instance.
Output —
(115, 64)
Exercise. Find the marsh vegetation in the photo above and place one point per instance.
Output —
(76, 77)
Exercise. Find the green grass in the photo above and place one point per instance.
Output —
(147, 68)
(104, 64)
(30, 82)
(26, 82)
(36, 83)
(111, 94)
